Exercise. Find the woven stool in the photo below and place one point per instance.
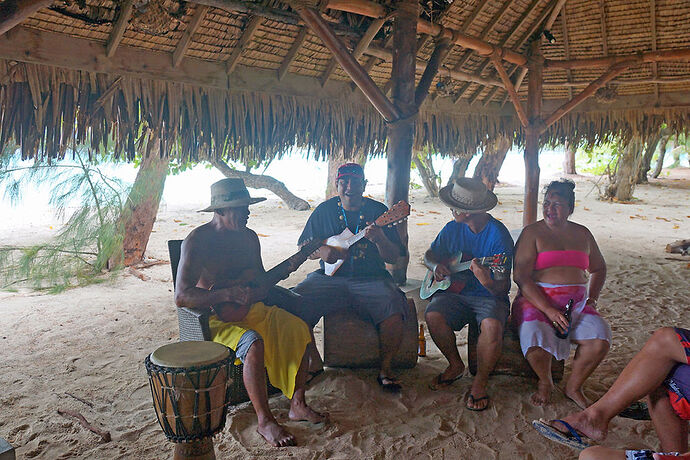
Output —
(350, 341)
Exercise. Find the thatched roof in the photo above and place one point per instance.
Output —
(248, 79)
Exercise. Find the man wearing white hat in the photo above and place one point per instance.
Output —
(217, 261)
(478, 294)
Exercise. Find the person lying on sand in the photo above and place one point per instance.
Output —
(558, 262)
(661, 373)
(605, 453)
(216, 263)
(478, 294)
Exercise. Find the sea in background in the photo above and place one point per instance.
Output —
(305, 178)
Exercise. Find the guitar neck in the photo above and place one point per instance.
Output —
(354, 238)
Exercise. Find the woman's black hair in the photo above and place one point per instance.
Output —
(565, 188)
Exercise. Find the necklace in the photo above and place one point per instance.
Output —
(343, 216)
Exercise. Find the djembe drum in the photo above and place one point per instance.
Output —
(190, 388)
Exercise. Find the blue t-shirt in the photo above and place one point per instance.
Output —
(364, 259)
(457, 237)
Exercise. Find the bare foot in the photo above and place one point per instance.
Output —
(301, 412)
(578, 398)
(587, 425)
(276, 435)
(543, 394)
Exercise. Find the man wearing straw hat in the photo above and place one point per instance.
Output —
(216, 264)
(478, 294)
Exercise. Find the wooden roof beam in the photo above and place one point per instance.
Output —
(186, 39)
(440, 52)
(682, 54)
(292, 53)
(349, 64)
(119, 28)
(374, 10)
(566, 46)
(247, 34)
(511, 90)
(609, 75)
(504, 41)
(13, 12)
(604, 32)
(655, 66)
(362, 45)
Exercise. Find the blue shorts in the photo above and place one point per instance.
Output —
(245, 343)
(459, 310)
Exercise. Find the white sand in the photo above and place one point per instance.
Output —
(90, 343)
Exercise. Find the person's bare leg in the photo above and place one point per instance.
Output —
(314, 358)
(644, 373)
(540, 360)
(299, 410)
(390, 336)
(588, 355)
(671, 429)
(488, 351)
(601, 453)
(444, 338)
(254, 377)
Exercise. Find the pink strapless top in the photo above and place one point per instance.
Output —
(548, 259)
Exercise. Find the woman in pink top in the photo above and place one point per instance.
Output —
(557, 260)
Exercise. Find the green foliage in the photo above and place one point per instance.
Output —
(596, 159)
(90, 237)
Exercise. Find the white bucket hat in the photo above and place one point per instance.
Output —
(468, 195)
(230, 193)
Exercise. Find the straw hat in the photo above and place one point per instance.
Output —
(468, 195)
(230, 193)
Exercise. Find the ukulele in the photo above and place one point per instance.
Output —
(233, 311)
(457, 264)
(395, 215)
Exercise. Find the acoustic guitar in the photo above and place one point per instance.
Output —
(395, 215)
(233, 311)
(457, 264)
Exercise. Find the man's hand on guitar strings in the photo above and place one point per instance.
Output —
(441, 272)
(330, 254)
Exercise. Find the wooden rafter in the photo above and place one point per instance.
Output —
(548, 24)
(248, 32)
(292, 53)
(440, 52)
(511, 90)
(186, 39)
(681, 54)
(604, 33)
(566, 46)
(350, 65)
(503, 42)
(655, 66)
(13, 12)
(375, 10)
(362, 45)
(119, 28)
(609, 75)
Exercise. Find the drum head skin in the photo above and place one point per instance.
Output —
(189, 354)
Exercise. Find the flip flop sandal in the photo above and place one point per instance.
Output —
(473, 400)
(439, 382)
(636, 411)
(389, 384)
(572, 438)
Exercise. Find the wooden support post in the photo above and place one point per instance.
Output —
(290, 56)
(186, 39)
(119, 28)
(401, 133)
(362, 45)
(247, 34)
(321, 28)
(13, 12)
(534, 99)
(612, 73)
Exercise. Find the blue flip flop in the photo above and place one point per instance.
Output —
(572, 439)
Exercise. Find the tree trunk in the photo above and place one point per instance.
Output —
(646, 162)
(263, 181)
(569, 159)
(334, 162)
(491, 161)
(141, 208)
(675, 151)
(422, 160)
(626, 171)
(459, 168)
(662, 153)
